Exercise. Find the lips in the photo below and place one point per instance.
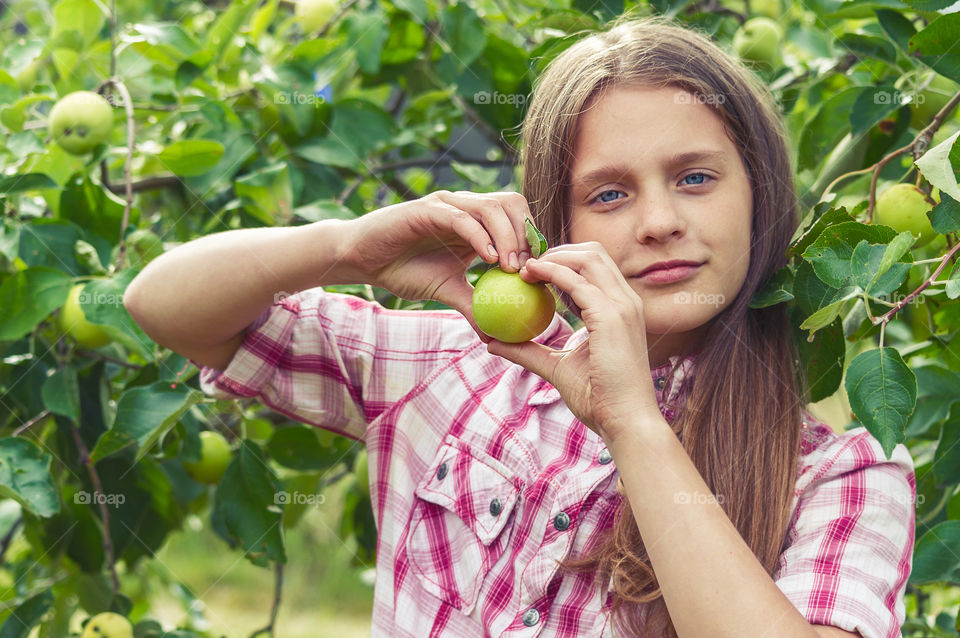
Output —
(665, 265)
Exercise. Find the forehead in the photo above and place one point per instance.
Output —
(636, 125)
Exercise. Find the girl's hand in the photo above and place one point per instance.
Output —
(606, 380)
(421, 249)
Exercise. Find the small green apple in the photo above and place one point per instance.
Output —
(214, 458)
(313, 15)
(509, 309)
(144, 246)
(758, 41)
(80, 121)
(904, 207)
(73, 322)
(108, 625)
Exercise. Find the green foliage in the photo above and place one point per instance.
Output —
(240, 119)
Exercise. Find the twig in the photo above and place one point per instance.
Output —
(900, 305)
(277, 593)
(146, 184)
(103, 357)
(26, 426)
(128, 162)
(104, 513)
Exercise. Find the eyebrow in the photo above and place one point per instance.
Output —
(618, 170)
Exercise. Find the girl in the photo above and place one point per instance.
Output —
(652, 473)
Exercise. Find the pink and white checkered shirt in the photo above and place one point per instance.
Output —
(482, 479)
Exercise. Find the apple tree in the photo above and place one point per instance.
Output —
(131, 127)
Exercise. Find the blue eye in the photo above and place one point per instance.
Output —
(701, 179)
(601, 197)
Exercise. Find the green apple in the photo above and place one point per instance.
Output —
(74, 324)
(143, 246)
(361, 472)
(214, 458)
(937, 92)
(758, 41)
(768, 8)
(904, 207)
(313, 15)
(509, 309)
(80, 121)
(108, 625)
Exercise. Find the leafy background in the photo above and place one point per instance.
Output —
(232, 114)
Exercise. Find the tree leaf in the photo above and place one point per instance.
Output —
(191, 157)
(934, 555)
(25, 476)
(248, 504)
(27, 615)
(27, 297)
(937, 169)
(936, 46)
(883, 393)
(61, 393)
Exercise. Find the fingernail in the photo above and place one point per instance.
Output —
(524, 256)
(514, 261)
(492, 250)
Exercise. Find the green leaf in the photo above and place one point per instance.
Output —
(366, 34)
(27, 615)
(897, 27)
(936, 166)
(827, 314)
(268, 194)
(170, 37)
(873, 104)
(144, 414)
(945, 216)
(535, 239)
(946, 458)
(929, 5)
(27, 297)
(953, 282)
(191, 157)
(935, 556)
(297, 447)
(91, 206)
(105, 308)
(25, 182)
(829, 217)
(883, 393)
(822, 357)
(831, 253)
(868, 45)
(25, 476)
(323, 209)
(61, 393)
(464, 33)
(936, 46)
(248, 501)
(936, 392)
(827, 127)
(84, 16)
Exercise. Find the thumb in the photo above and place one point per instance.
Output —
(531, 355)
(460, 298)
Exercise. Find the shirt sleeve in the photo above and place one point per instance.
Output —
(337, 361)
(850, 548)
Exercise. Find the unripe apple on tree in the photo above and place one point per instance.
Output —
(143, 246)
(931, 99)
(313, 15)
(215, 456)
(73, 323)
(904, 207)
(108, 625)
(81, 120)
(758, 41)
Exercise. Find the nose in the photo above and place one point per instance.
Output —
(658, 217)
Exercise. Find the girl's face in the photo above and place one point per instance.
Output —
(655, 178)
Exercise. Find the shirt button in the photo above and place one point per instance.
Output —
(561, 521)
(658, 383)
(531, 617)
(496, 507)
(441, 471)
(605, 456)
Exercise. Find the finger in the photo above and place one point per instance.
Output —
(461, 299)
(595, 267)
(533, 356)
(491, 214)
(463, 224)
(584, 292)
(519, 211)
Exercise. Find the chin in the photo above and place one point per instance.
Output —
(669, 318)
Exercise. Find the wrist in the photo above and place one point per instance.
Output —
(329, 245)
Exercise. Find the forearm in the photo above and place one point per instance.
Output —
(205, 292)
(712, 583)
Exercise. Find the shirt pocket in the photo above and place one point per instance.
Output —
(461, 522)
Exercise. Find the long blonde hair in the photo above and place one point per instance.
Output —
(741, 423)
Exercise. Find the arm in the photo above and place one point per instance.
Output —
(198, 298)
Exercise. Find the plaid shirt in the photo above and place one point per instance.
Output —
(482, 479)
